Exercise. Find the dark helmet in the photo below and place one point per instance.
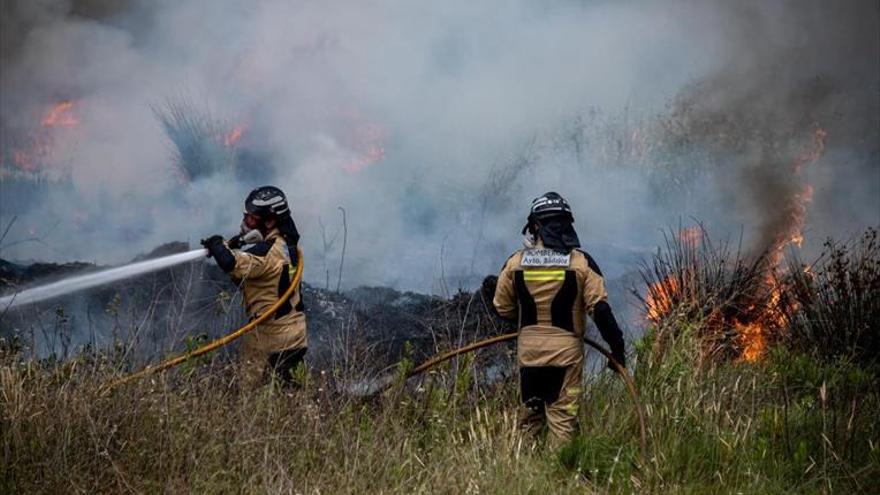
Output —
(550, 205)
(550, 218)
(267, 202)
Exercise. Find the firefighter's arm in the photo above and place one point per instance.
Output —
(596, 302)
(505, 295)
(218, 250)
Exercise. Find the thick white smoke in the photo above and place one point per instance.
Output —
(432, 125)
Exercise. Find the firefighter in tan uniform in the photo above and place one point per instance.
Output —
(263, 261)
(550, 287)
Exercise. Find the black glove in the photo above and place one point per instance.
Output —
(221, 254)
(488, 288)
(607, 325)
(234, 242)
(213, 244)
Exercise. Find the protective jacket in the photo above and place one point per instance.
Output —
(265, 271)
(550, 293)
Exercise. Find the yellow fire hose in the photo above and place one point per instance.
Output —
(216, 344)
(627, 378)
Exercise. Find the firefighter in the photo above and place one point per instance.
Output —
(262, 260)
(549, 287)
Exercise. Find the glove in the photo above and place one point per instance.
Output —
(490, 283)
(221, 254)
(213, 244)
(234, 242)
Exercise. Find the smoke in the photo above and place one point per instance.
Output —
(433, 126)
(797, 73)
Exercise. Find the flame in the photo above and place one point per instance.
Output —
(371, 155)
(23, 161)
(60, 115)
(660, 300)
(234, 136)
(366, 140)
(662, 296)
(691, 236)
(768, 317)
(33, 152)
(753, 336)
(755, 324)
(753, 341)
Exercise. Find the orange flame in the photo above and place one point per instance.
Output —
(768, 316)
(35, 151)
(234, 136)
(753, 335)
(365, 140)
(60, 115)
(691, 236)
(23, 161)
(660, 299)
(371, 155)
(662, 296)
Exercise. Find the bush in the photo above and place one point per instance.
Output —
(833, 304)
(708, 285)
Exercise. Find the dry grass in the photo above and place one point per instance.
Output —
(783, 424)
(200, 433)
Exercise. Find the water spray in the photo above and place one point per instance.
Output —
(80, 282)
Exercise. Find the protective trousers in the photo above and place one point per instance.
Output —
(551, 394)
(259, 359)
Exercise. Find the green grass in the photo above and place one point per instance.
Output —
(783, 425)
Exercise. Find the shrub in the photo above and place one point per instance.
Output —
(833, 305)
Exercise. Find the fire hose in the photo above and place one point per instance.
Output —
(216, 344)
(621, 370)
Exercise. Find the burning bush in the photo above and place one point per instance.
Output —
(203, 143)
(833, 305)
(741, 305)
(720, 290)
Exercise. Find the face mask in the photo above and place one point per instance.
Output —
(250, 236)
(528, 241)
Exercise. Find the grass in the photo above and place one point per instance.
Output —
(200, 433)
(781, 425)
(197, 138)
